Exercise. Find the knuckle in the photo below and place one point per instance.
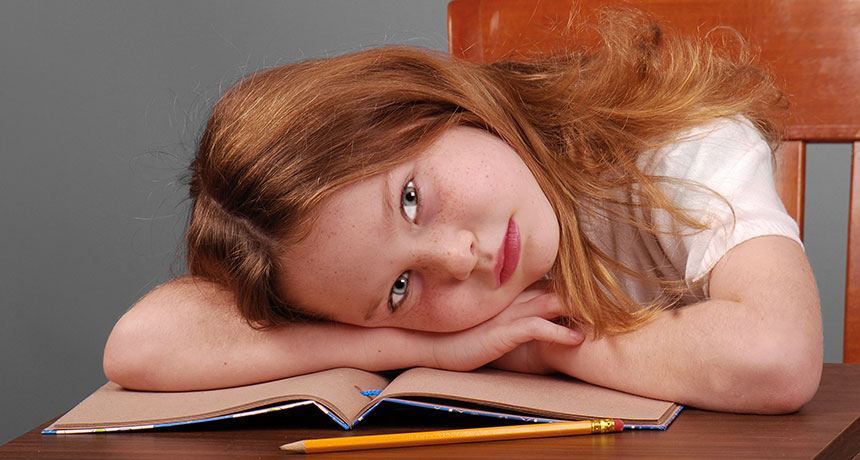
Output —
(534, 326)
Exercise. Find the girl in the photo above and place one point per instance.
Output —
(610, 215)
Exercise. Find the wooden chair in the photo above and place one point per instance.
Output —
(813, 47)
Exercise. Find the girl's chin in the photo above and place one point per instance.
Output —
(533, 290)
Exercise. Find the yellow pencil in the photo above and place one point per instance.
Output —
(428, 438)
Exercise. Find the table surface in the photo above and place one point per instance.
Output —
(827, 427)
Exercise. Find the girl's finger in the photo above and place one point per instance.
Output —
(534, 328)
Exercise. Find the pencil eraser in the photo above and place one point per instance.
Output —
(619, 425)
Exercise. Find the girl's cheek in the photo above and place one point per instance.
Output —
(452, 312)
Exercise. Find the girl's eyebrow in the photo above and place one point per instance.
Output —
(387, 202)
(387, 221)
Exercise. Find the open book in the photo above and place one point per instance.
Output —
(348, 395)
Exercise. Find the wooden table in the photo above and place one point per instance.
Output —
(827, 427)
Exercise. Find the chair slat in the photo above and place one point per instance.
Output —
(790, 177)
(851, 337)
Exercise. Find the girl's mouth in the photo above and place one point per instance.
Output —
(508, 255)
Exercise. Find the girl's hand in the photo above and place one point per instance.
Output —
(520, 328)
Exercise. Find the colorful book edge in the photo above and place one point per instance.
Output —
(343, 424)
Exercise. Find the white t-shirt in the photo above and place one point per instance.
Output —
(728, 157)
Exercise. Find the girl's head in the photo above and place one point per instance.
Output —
(297, 162)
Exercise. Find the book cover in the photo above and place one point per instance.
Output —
(350, 395)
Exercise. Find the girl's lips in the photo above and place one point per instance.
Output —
(508, 255)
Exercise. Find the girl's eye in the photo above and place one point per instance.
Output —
(398, 291)
(409, 201)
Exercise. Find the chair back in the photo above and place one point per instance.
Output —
(811, 46)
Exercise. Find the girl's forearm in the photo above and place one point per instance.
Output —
(186, 335)
(713, 355)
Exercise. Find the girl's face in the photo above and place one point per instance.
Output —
(442, 242)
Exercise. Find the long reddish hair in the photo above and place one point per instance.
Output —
(282, 140)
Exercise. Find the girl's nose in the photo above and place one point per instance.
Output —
(453, 254)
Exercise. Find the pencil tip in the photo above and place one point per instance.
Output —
(298, 446)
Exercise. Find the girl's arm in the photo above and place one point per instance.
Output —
(187, 335)
(755, 346)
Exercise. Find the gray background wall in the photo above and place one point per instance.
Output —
(100, 104)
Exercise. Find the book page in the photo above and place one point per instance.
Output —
(552, 396)
(114, 406)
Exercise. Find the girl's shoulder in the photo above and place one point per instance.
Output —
(721, 149)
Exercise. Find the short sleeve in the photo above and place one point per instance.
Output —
(722, 175)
